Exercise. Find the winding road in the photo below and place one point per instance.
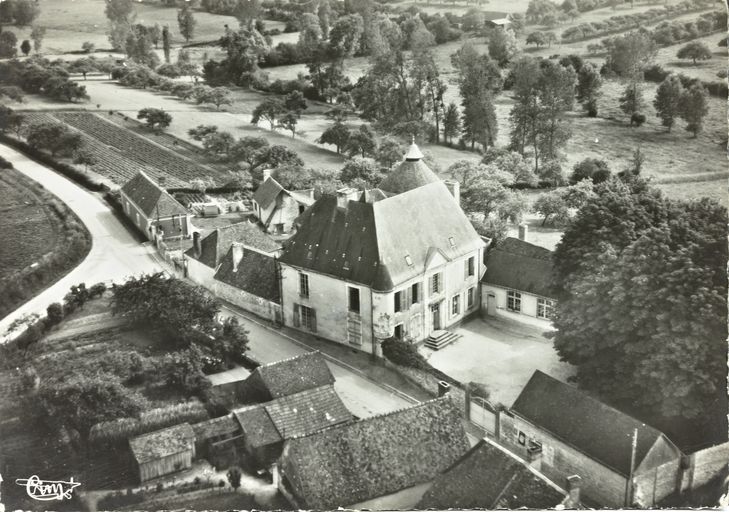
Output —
(115, 253)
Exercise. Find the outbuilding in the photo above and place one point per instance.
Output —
(164, 451)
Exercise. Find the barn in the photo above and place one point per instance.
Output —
(163, 452)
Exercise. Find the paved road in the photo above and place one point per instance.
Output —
(115, 253)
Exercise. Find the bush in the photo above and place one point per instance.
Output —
(637, 119)
(97, 290)
(54, 314)
(404, 353)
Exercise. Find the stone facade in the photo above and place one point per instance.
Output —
(173, 227)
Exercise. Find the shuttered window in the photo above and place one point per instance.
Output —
(415, 293)
(303, 285)
(436, 283)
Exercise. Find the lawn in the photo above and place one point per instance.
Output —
(36, 227)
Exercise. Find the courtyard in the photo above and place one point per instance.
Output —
(501, 353)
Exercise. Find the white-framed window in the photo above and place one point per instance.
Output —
(436, 283)
(513, 300)
(545, 308)
(470, 265)
(354, 299)
(303, 285)
(471, 297)
(456, 305)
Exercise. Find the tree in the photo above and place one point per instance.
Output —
(54, 314)
(88, 47)
(216, 95)
(53, 137)
(166, 42)
(550, 173)
(37, 34)
(641, 309)
(631, 102)
(201, 131)
(668, 100)
(324, 15)
(502, 46)
(155, 33)
(494, 228)
(629, 53)
(337, 135)
(8, 41)
(536, 38)
(218, 144)
(186, 22)
(310, 35)
(361, 142)
(295, 102)
(25, 12)
(268, 110)
(361, 171)
(695, 50)
(85, 157)
(234, 475)
(451, 123)
(155, 118)
(592, 169)
(694, 107)
(539, 10)
(120, 14)
(552, 205)
(389, 152)
(345, 36)
(256, 153)
(25, 47)
(288, 121)
(589, 82)
(10, 120)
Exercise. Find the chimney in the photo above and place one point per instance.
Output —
(455, 189)
(266, 174)
(345, 195)
(196, 243)
(237, 255)
(443, 388)
(574, 483)
(523, 232)
(534, 455)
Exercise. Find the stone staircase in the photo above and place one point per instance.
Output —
(439, 339)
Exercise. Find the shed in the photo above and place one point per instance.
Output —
(164, 451)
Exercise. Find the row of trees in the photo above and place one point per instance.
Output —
(19, 12)
(40, 76)
(9, 42)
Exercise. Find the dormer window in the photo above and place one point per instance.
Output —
(408, 260)
(451, 241)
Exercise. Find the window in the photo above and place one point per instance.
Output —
(301, 209)
(521, 438)
(354, 300)
(470, 297)
(399, 331)
(513, 300)
(408, 260)
(415, 293)
(399, 302)
(436, 283)
(308, 318)
(455, 305)
(303, 285)
(279, 229)
(545, 308)
(471, 266)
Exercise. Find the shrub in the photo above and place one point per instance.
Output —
(54, 314)
(404, 353)
(637, 119)
(97, 290)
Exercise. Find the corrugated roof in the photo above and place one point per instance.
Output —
(257, 426)
(152, 199)
(294, 375)
(306, 412)
(489, 477)
(367, 242)
(519, 265)
(256, 273)
(162, 443)
(267, 192)
(592, 427)
(218, 242)
(409, 175)
(345, 465)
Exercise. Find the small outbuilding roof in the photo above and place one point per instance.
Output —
(288, 377)
(520, 266)
(601, 432)
(257, 426)
(153, 200)
(222, 426)
(373, 457)
(267, 192)
(162, 443)
(256, 273)
(217, 243)
(490, 477)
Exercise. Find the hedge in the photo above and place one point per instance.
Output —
(657, 74)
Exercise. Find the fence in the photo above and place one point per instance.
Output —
(483, 415)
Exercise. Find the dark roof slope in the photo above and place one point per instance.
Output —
(368, 243)
(256, 274)
(373, 457)
(287, 377)
(409, 175)
(306, 412)
(267, 193)
(489, 477)
(162, 443)
(257, 426)
(221, 426)
(590, 426)
(217, 243)
(519, 265)
(152, 199)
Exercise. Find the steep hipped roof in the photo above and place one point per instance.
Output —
(294, 415)
(256, 274)
(590, 426)
(218, 242)
(152, 199)
(287, 377)
(368, 243)
(162, 443)
(490, 477)
(519, 265)
(410, 174)
(373, 457)
(267, 192)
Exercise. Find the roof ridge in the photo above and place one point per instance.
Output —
(280, 361)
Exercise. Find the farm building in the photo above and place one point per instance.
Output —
(278, 208)
(402, 260)
(518, 280)
(154, 211)
(490, 477)
(563, 431)
(381, 462)
(286, 377)
(219, 440)
(500, 23)
(164, 451)
(266, 426)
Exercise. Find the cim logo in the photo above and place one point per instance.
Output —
(48, 490)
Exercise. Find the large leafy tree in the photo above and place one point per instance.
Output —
(337, 134)
(120, 14)
(695, 50)
(642, 306)
(668, 101)
(268, 110)
(186, 22)
(694, 107)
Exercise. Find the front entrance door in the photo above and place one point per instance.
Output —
(435, 310)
